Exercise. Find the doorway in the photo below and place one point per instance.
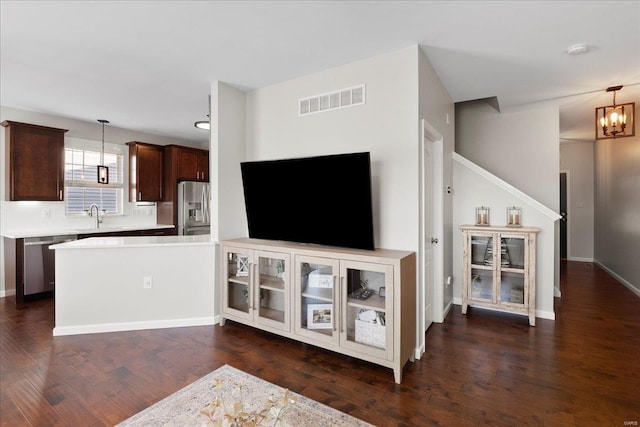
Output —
(564, 176)
(430, 304)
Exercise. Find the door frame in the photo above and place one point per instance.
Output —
(568, 202)
(430, 135)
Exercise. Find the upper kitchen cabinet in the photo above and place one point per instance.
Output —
(36, 161)
(180, 164)
(193, 164)
(145, 172)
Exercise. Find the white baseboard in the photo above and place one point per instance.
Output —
(134, 326)
(447, 309)
(7, 293)
(579, 259)
(542, 314)
(418, 352)
(618, 278)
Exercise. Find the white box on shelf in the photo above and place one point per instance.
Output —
(370, 333)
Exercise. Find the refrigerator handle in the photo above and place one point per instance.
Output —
(205, 204)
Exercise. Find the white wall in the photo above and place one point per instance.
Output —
(91, 298)
(520, 146)
(227, 151)
(28, 215)
(576, 158)
(437, 108)
(617, 207)
(386, 126)
(473, 189)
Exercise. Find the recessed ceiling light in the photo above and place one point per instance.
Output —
(203, 124)
(577, 49)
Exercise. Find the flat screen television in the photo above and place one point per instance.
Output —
(322, 200)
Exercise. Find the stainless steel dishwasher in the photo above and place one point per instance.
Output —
(40, 265)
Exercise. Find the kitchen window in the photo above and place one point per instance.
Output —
(81, 186)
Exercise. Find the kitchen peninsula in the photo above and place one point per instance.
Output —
(108, 284)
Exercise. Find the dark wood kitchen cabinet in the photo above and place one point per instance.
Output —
(193, 164)
(146, 166)
(36, 161)
(180, 164)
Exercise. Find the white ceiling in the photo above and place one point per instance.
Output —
(148, 65)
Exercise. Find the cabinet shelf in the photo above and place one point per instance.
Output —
(242, 280)
(272, 314)
(240, 307)
(514, 269)
(321, 294)
(271, 283)
(325, 332)
(374, 302)
(482, 267)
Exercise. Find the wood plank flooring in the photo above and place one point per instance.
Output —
(484, 368)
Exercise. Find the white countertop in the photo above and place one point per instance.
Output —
(24, 234)
(134, 241)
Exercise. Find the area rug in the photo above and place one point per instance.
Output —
(230, 397)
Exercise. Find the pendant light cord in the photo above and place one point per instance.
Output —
(102, 153)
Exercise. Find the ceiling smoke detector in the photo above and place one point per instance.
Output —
(577, 49)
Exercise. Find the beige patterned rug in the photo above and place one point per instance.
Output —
(230, 397)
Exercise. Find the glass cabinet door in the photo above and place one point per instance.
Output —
(482, 260)
(237, 279)
(271, 295)
(512, 270)
(316, 312)
(366, 318)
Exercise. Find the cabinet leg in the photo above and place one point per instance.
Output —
(397, 374)
(532, 319)
(222, 320)
(464, 308)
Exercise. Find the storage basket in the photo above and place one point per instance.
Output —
(370, 333)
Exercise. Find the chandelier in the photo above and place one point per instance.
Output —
(617, 120)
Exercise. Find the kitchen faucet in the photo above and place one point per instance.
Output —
(98, 220)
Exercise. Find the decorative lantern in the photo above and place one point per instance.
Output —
(514, 217)
(482, 216)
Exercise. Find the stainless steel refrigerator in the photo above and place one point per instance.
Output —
(193, 208)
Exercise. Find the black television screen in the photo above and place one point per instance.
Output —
(323, 200)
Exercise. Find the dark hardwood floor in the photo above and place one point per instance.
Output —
(485, 368)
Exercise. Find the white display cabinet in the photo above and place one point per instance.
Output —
(500, 268)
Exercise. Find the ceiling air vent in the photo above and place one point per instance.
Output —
(342, 98)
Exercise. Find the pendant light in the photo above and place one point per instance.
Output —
(617, 120)
(203, 124)
(103, 171)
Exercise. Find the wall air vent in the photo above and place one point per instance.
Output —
(342, 98)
